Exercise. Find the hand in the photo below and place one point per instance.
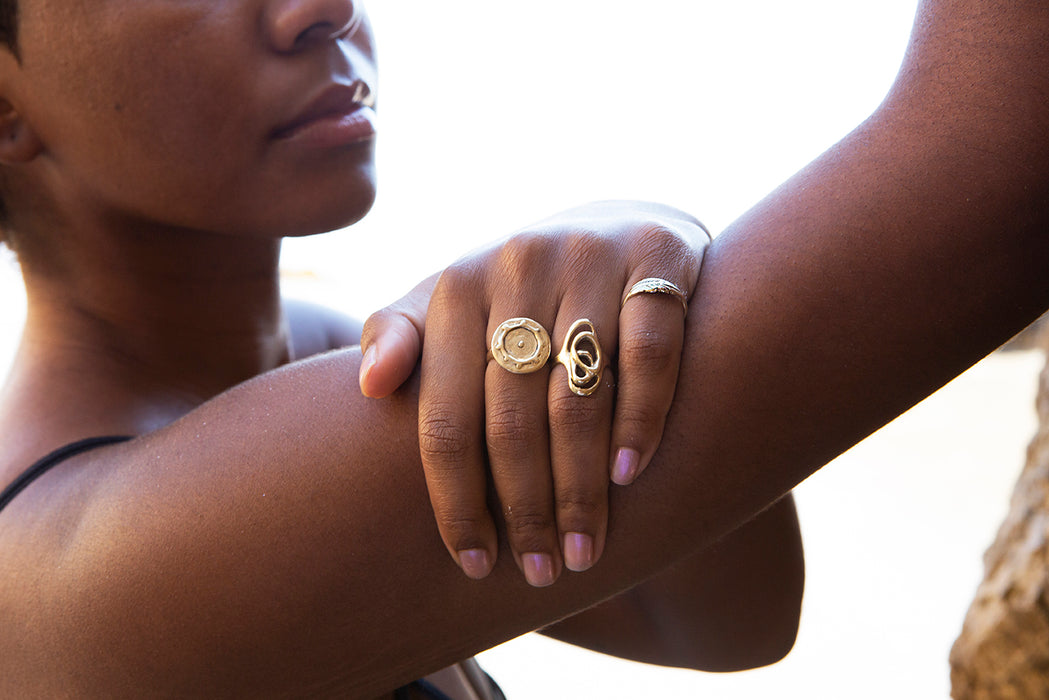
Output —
(550, 451)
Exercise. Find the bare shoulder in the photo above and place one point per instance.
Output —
(315, 328)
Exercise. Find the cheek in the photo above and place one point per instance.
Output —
(162, 112)
(155, 125)
(184, 99)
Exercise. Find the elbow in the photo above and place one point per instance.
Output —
(762, 636)
(765, 628)
(753, 620)
(761, 647)
(780, 641)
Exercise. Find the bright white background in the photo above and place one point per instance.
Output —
(495, 114)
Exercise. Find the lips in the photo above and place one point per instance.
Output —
(340, 114)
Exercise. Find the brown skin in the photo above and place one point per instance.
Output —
(896, 260)
(273, 538)
(551, 485)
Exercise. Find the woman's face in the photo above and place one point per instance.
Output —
(234, 116)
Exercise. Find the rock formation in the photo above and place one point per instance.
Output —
(1003, 650)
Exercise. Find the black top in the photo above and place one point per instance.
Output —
(61, 454)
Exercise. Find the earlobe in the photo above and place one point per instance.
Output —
(18, 142)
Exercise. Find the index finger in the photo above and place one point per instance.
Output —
(451, 418)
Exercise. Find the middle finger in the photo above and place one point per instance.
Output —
(518, 443)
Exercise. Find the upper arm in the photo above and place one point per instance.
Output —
(280, 535)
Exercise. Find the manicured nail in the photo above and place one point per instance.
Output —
(367, 362)
(625, 467)
(475, 563)
(538, 569)
(578, 551)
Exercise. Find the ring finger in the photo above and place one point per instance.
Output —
(580, 400)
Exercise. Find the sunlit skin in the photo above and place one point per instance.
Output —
(277, 537)
(177, 131)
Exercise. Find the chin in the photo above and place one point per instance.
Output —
(354, 208)
(338, 205)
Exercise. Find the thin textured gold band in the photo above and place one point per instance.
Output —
(658, 285)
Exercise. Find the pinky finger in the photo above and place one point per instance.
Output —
(651, 336)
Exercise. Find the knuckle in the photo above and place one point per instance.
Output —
(569, 413)
(377, 321)
(454, 281)
(462, 529)
(530, 524)
(660, 238)
(509, 426)
(522, 252)
(442, 441)
(647, 352)
(580, 505)
(641, 417)
(664, 248)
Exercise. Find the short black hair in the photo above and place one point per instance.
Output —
(9, 25)
(9, 40)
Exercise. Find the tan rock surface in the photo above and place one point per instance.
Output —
(1003, 650)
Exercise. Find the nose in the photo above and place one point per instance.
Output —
(297, 25)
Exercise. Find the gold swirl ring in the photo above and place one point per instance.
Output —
(657, 285)
(520, 345)
(581, 355)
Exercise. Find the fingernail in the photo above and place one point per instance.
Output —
(475, 563)
(579, 551)
(624, 469)
(367, 362)
(538, 569)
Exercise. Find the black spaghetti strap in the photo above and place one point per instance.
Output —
(74, 448)
(423, 686)
(59, 455)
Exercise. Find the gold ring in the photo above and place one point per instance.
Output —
(581, 356)
(520, 345)
(657, 285)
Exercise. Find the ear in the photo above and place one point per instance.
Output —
(18, 142)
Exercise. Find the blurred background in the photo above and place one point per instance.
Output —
(493, 115)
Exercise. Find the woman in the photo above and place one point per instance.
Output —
(266, 531)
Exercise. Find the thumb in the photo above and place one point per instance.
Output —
(392, 341)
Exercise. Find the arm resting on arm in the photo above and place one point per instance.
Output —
(280, 538)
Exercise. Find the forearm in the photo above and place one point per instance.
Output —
(898, 259)
(281, 535)
(884, 269)
(732, 606)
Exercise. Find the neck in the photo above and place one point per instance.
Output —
(171, 318)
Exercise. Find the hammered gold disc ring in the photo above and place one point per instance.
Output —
(520, 345)
(581, 355)
(657, 285)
